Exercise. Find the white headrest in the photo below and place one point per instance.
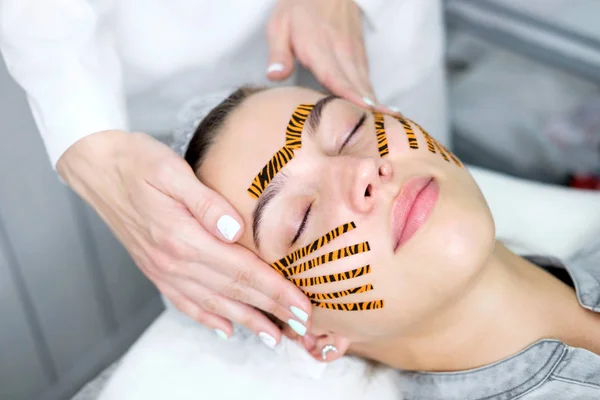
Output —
(538, 218)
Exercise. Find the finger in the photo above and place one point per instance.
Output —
(281, 58)
(242, 289)
(327, 71)
(213, 212)
(220, 325)
(353, 65)
(250, 272)
(361, 75)
(242, 314)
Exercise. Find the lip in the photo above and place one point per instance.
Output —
(411, 208)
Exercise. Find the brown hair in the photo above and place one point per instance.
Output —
(207, 132)
(210, 127)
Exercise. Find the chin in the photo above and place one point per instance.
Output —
(468, 243)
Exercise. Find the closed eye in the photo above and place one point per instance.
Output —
(360, 123)
(302, 225)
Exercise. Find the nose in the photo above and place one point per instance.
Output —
(369, 175)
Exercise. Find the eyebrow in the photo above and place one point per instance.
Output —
(276, 185)
(314, 119)
(270, 192)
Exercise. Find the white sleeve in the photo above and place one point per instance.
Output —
(59, 54)
(370, 9)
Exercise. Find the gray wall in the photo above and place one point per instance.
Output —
(71, 300)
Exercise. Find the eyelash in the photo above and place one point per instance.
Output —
(302, 224)
(358, 125)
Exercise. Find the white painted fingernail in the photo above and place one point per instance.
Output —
(275, 67)
(228, 227)
(268, 340)
(301, 315)
(368, 101)
(297, 327)
(221, 334)
(394, 109)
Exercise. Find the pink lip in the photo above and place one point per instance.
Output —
(412, 207)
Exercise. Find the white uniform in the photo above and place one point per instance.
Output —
(93, 65)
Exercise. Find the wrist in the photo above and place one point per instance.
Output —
(87, 155)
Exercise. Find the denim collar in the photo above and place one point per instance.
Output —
(503, 380)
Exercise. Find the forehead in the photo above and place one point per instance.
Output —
(251, 136)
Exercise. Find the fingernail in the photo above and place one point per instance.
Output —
(394, 109)
(221, 334)
(275, 67)
(301, 315)
(368, 101)
(297, 327)
(267, 339)
(228, 227)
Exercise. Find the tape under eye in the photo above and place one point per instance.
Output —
(287, 269)
(340, 293)
(362, 306)
(342, 276)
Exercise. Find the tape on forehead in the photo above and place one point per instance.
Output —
(382, 144)
(410, 134)
(433, 144)
(293, 141)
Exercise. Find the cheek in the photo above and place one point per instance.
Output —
(333, 258)
(439, 263)
(356, 326)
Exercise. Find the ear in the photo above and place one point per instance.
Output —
(315, 343)
(337, 345)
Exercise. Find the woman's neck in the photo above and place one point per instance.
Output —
(513, 304)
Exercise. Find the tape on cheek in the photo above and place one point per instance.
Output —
(293, 141)
(291, 258)
(283, 264)
(362, 306)
(325, 258)
(320, 280)
(341, 293)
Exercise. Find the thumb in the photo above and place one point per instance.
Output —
(213, 212)
(281, 58)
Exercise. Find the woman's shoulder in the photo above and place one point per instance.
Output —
(583, 274)
(575, 376)
(547, 369)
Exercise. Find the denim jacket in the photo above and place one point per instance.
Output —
(547, 369)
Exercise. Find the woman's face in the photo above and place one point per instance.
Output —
(427, 224)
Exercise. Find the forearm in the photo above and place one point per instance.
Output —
(93, 156)
(69, 70)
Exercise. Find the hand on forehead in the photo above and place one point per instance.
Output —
(275, 122)
(253, 133)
